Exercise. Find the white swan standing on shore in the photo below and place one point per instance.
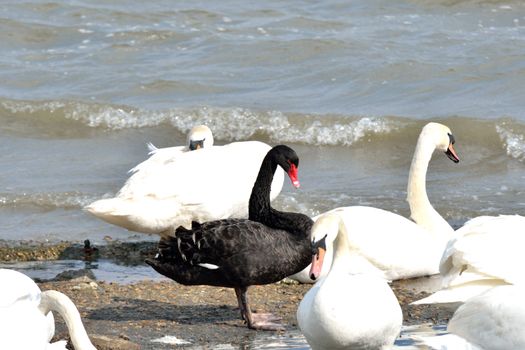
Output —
(352, 307)
(26, 321)
(394, 244)
(492, 320)
(211, 183)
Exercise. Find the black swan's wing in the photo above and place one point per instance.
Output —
(232, 252)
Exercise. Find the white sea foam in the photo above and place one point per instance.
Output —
(513, 142)
(170, 339)
(228, 124)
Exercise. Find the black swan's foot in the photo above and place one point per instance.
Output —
(266, 322)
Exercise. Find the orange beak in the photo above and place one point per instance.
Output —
(451, 153)
(317, 263)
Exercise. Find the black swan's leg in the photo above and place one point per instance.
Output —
(264, 322)
(238, 293)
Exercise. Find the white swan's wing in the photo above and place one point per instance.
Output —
(486, 248)
(17, 288)
(158, 157)
(199, 175)
(493, 319)
(486, 253)
(447, 342)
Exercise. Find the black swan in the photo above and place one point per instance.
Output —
(238, 253)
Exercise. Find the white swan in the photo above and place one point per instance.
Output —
(207, 184)
(26, 322)
(352, 307)
(486, 252)
(433, 136)
(493, 320)
(200, 136)
(393, 243)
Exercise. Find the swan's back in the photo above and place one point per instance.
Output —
(200, 136)
(393, 243)
(158, 157)
(202, 185)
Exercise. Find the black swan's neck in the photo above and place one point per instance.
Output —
(259, 205)
(260, 209)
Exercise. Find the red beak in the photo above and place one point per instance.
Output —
(292, 174)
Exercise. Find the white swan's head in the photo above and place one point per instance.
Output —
(200, 136)
(442, 138)
(323, 234)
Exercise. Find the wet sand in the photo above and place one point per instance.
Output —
(129, 316)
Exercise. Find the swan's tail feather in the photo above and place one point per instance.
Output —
(115, 211)
(151, 148)
(103, 206)
(146, 216)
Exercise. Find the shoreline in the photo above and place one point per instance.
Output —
(131, 315)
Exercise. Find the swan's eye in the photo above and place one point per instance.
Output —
(319, 244)
(196, 144)
(451, 138)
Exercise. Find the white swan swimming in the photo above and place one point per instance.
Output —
(492, 320)
(211, 183)
(26, 321)
(396, 245)
(352, 307)
(486, 252)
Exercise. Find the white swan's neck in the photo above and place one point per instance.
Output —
(348, 259)
(421, 211)
(58, 302)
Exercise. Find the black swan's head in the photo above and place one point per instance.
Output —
(286, 157)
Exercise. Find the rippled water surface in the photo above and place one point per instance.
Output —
(85, 84)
